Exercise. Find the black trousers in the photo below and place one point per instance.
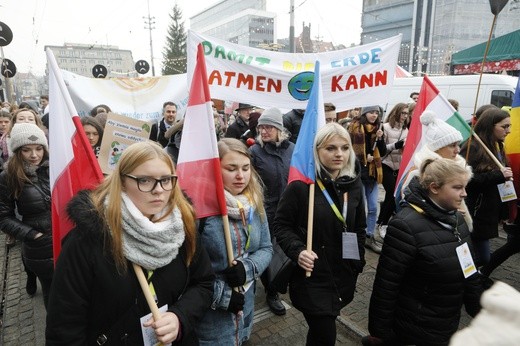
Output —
(511, 247)
(322, 330)
(388, 205)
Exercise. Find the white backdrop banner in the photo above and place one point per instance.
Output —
(138, 98)
(352, 77)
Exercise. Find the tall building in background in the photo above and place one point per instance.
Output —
(244, 22)
(434, 29)
(81, 58)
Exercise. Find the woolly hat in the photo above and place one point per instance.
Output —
(497, 323)
(438, 133)
(24, 134)
(273, 117)
(367, 109)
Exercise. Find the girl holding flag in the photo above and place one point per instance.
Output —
(137, 217)
(337, 255)
(230, 319)
(484, 201)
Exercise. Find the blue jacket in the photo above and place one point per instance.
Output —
(220, 327)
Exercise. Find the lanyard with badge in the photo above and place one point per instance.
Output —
(464, 255)
(350, 249)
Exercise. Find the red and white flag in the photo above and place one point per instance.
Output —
(72, 164)
(198, 165)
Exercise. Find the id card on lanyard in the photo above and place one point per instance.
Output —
(350, 249)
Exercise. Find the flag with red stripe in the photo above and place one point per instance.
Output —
(72, 164)
(198, 165)
(429, 99)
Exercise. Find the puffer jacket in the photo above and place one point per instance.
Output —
(272, 163)
(34, 207)
(419, 287)
(333, 280)
(90, 298)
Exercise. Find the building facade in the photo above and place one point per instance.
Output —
(244, 22)
(434, 29)
(81, 58)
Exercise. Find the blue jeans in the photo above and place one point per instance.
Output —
(371, 192)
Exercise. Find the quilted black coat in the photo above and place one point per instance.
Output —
(419, 287)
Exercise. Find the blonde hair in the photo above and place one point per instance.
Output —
(441, 171)
(323, 136)
(254, 189)
(107, 200)
(281, 135)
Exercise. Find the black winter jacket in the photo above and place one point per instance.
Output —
(34, 207)
(272, 164)
(419, 286)
(90, 298)
(292, 121)
(157, 133)
(237, 129)
(333, 280)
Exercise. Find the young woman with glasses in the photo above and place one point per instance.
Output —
(138, 215)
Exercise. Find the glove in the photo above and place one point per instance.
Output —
(236, 302)
(399, 144)
(235, 275)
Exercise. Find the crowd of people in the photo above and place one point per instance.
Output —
(432, 237)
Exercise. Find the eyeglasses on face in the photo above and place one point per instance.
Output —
(505, 127)
(147, 184)
(267, 128)
(330, 120)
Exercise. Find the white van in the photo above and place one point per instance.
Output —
(495, 89)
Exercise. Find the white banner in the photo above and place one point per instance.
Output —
(138, 98)
(352, 77)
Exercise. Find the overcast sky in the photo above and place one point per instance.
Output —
(36, 23)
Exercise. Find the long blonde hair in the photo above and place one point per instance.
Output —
(323, 136)
(107, 200)
(254, 189)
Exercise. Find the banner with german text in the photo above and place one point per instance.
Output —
(352, 77)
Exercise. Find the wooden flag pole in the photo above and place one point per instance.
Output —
(227, 238)
(310, 220)
(146, 291)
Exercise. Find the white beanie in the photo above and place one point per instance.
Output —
(24, 134)
(498, 323)
(438, 133)
(273, 117)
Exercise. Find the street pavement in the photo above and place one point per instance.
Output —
(23, 318)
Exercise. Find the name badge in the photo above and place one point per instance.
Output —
(350, 246)
(465, 260)
(507, 191)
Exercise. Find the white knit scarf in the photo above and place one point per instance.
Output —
(150, 244)
(232, 205)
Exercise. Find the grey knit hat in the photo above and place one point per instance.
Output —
(367, 109)
(273, 117)
(25, 134)
(438, 133)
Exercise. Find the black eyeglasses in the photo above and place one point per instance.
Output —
(147, 184)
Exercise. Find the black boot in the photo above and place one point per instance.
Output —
(30, 286)
(275, 304)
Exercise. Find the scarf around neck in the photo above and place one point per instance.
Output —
(150, 244)
(362, 148)
(232, 205)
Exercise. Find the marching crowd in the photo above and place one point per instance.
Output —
(432, 236)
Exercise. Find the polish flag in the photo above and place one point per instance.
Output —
(198, 165)
(72, 165)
